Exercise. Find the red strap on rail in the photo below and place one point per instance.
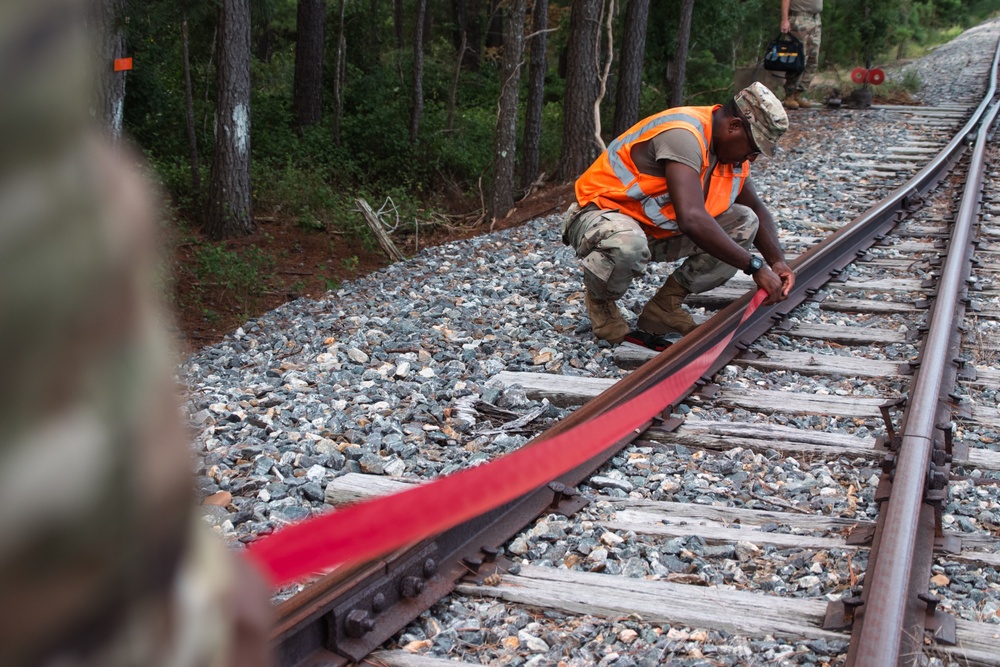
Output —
(376, 527)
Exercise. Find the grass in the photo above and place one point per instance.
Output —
(985, 346)
(241, 275)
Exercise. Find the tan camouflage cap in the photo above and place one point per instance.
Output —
(767, 117)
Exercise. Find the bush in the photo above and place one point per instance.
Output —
(240, 275)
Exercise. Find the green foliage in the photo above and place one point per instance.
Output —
(551, 140)
(911, 82)
(308, 220)
(465, 152)
(859, 32)
(308, 174)
(714, 79)
(242, 275)
(723, 35)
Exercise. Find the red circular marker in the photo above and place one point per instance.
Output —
(876, 77)
(859, 75)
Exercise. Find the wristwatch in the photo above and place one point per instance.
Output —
(756, 264)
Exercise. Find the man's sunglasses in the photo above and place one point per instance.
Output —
(755, 150)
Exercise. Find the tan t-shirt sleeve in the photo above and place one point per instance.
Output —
(806, 6)
(678, 145)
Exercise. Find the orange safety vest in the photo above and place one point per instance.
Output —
(614, 183)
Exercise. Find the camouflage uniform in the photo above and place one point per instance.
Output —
(808, 28)
(102, 561)
(614, 250)
(628, 217)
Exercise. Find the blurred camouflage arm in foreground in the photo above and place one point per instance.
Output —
(102, 561)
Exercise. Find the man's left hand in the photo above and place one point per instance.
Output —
(769, 281)
(787, 278)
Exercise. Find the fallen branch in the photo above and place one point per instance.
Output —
(375, 225)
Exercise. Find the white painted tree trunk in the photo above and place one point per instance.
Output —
(228, 212)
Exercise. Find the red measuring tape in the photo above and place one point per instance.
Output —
(373, 528)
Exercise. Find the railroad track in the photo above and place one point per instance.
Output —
(887, 388)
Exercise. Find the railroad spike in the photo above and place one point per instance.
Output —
(473, 563)
(932, 602)
(558, 493)
(840, 614)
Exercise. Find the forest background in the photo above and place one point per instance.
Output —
(270, 124)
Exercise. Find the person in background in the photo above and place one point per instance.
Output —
(103, 561)
(802, 19)
(677, 185)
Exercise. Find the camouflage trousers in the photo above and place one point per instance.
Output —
(808, 28)
(615, 250)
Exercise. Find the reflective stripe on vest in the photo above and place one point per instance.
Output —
(612, 179)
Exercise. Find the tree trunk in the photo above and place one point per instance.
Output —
(339, 74)
(189, 118)
(474, 30)
(680, 55)
(458, 34)
(453, 93)
(397, 22)
(579, 149)
(536, 94)
(372, 38)
(418, 71)
(263, 42)
(208, 74)
(428, 25)
(630, 68)
(494, 28)
(109, 20)
(505, 141)
(228, 212)
(307, 96)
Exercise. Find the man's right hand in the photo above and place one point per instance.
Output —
(769, 281)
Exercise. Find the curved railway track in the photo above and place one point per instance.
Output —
(893, 304)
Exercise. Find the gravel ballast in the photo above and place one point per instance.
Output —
(378, 376)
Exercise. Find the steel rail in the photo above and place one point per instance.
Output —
(892, 614)
(347, 614)
(340, 619)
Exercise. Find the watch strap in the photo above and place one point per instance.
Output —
(756, 264)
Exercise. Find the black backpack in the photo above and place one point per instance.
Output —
(785, 54)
